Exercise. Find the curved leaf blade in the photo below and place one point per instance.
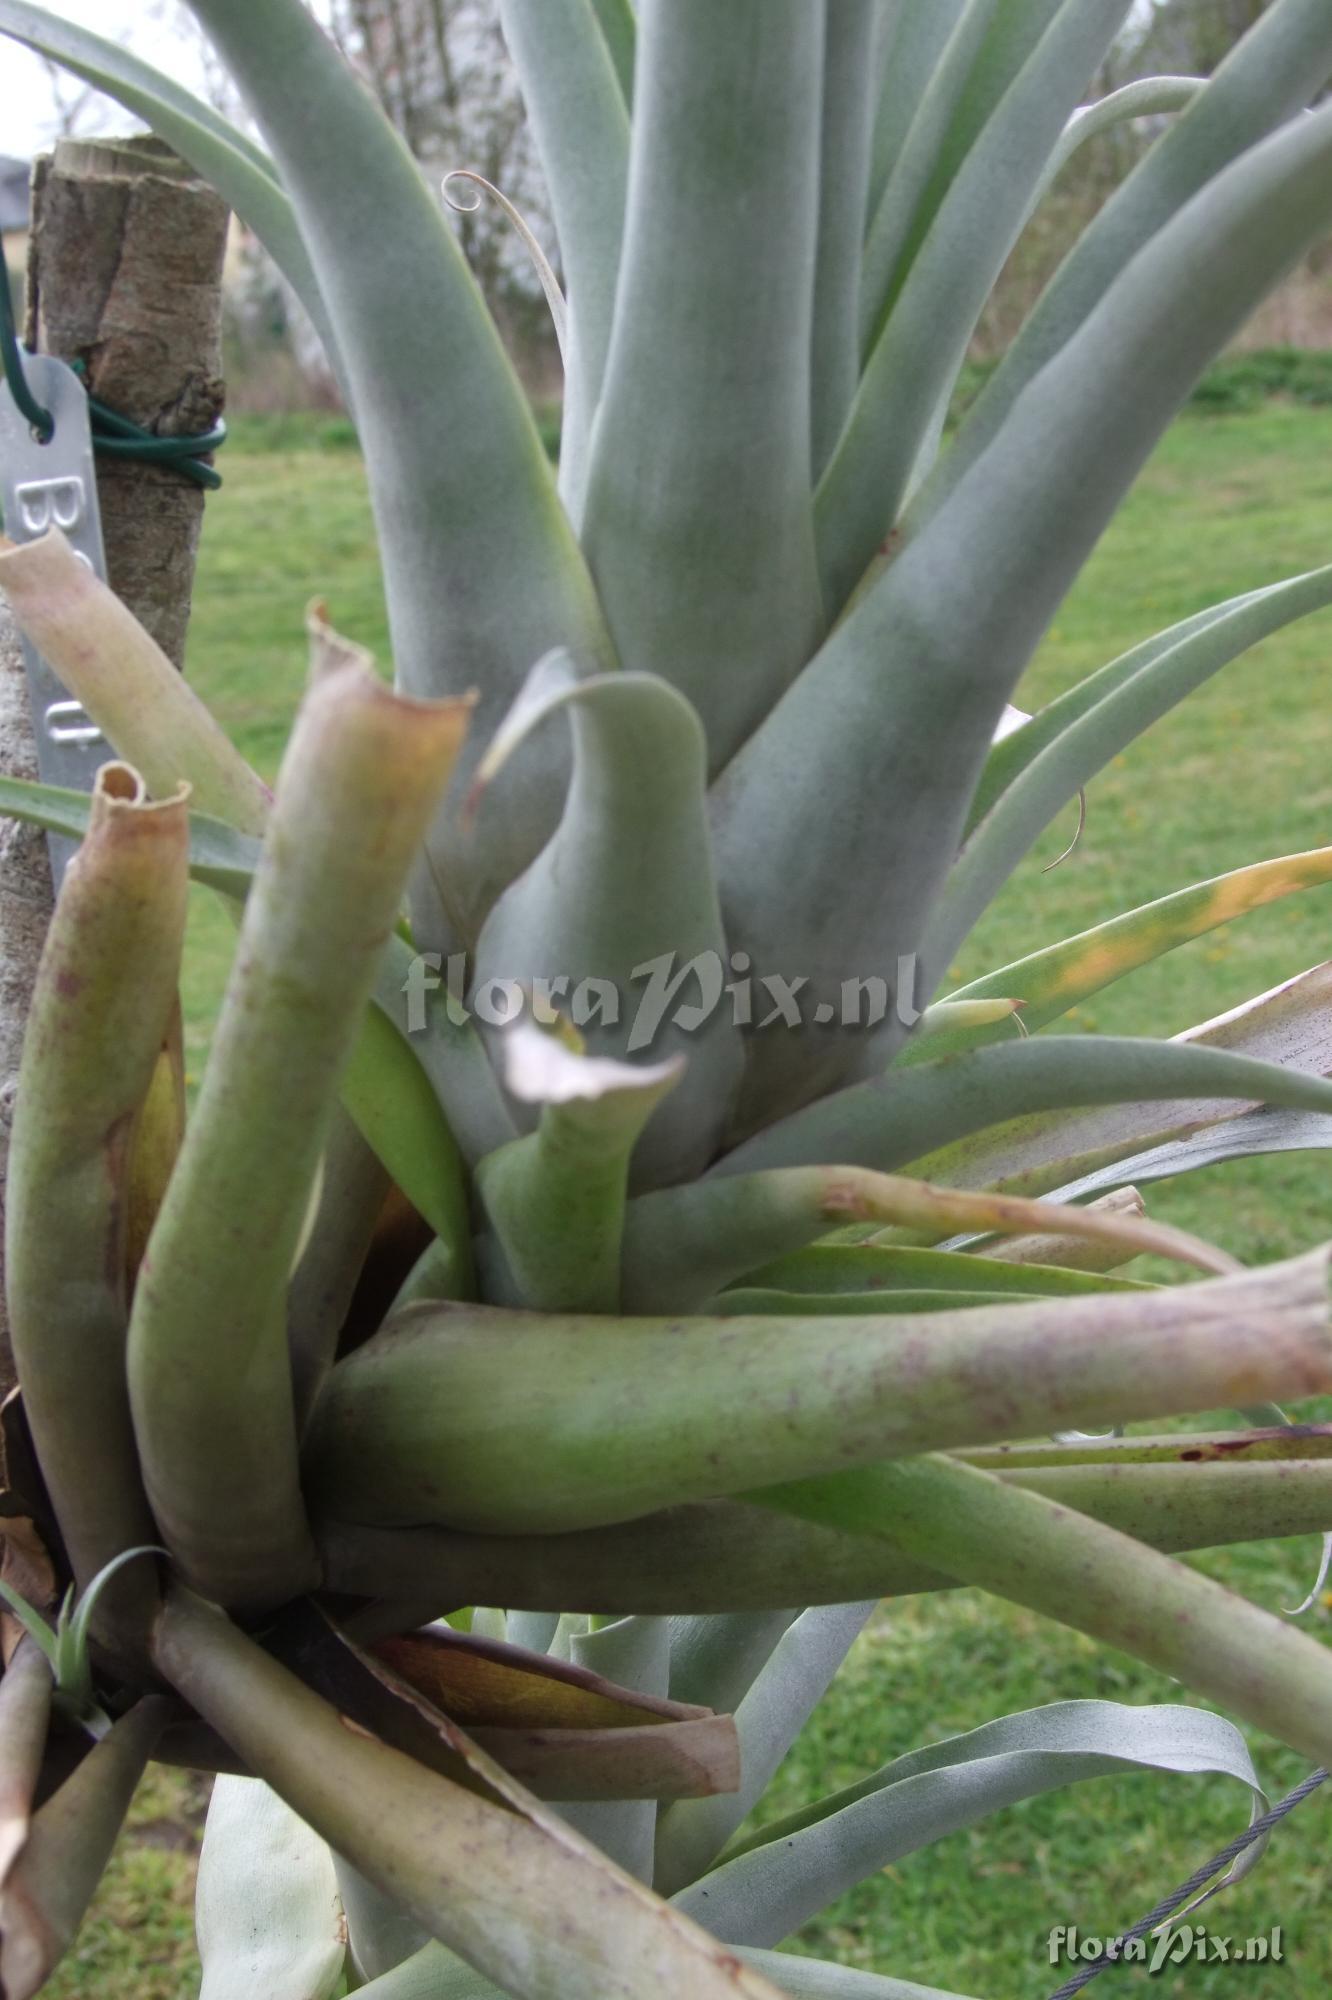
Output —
(698, 523)
(766, 1886)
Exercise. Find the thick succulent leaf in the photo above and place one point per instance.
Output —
(615, 18)
(210, 1378)
(849, 80)
(772, 1714)
(982, 47)
(390, 1083)
(1081, 740)
(955, 255)
(683, 1245)
(352, 1189)
(1146, 97)
(159, 1129)
(769, 1884)
(721, 1556)
(482, 1866)
(867, 1267)
(719, 1659)
(912, 1113)
(1267, 78)
(25, 1710)
(426, 1002)
(580, 121)
(1015, 746)
(1065, 974)
(903, 701)
(463, 494)
(698, 521)
(380, 1934)
(266, 1911)
(240, 171)
(104, 999)
(386, 1092)
(912, 40)
(1020, 1545)
(108, 662)
(1046, 1150)
(599, 905)
(637, 1652)
(69, 1843)
(479, 1419)
(556, 1198)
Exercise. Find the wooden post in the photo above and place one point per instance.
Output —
(125, 275)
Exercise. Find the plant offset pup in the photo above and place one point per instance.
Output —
(695, 1266)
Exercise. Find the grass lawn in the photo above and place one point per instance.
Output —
(1240, 773)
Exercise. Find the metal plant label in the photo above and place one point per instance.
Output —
(44, 486)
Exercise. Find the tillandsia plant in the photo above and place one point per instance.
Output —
(603, 1259)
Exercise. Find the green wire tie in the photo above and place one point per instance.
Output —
(114, 435)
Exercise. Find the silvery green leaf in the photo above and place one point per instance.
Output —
(619, 28)
(580, 122)
(636, 1652)
(909, 1115)
(849, 79)
(698, 522)
(717, 1660)
(771, 1882)
(903, 700)
(1078, 735)
(922, 332)
(972, 52)
(380, 1935)
(914, 38)
(1044, 1151)
(597, 911)
(463, 494)
(1267, 78)
(267, 1911)
(1146, 97)
(1243, 1135)
(772, 1714)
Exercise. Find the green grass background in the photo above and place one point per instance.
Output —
(1240, 773)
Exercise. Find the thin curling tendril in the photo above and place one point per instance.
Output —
(550, 284)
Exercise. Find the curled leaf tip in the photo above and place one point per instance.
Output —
(1324, 1565)
(478, 186)
(1078, 831)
